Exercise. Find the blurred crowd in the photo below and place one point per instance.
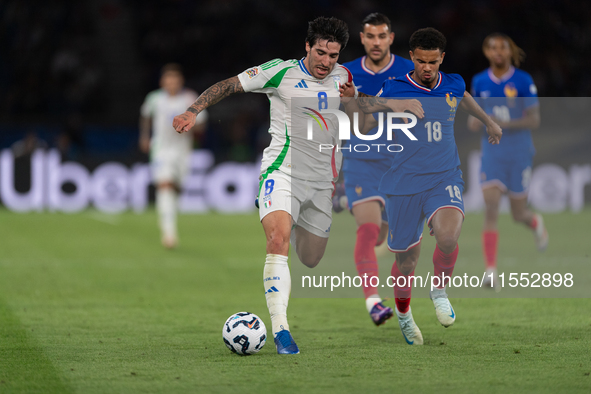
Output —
(50, 66)
(52, 69)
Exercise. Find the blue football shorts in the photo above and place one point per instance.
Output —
(407, 213)
(511, 173)
(362, 181)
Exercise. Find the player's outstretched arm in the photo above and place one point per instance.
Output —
(471, 106)
(474, 124)
(214, 94)
(372, 104)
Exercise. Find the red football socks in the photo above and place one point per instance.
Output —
(365, 255)
(444, 265)
(534, 223)
(490, 240)
(402, 289)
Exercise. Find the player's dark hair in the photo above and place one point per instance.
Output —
(376, 19)
(427, 39)
(331, 29)
(171, 67)
(517, 54)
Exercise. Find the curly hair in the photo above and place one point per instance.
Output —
(331, 29)
(427, 39)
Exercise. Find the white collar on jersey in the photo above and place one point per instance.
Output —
(439, 76)
(383, 70)
(504, 78)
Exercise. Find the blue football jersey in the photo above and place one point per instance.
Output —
(421, 164)
(506, 98)
(370, 83)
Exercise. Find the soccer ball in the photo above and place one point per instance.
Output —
(244, 333)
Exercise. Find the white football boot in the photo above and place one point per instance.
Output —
(409, 328)
(445, 313)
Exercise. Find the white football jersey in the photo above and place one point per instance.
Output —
(162, 108)
(296, 97)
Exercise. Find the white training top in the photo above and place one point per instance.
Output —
(162, 108)
(297, 97)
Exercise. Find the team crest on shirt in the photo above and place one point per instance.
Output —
(358, 190)
(337, 81)
(253, 72)
(511, 93)
(453, 104)
(510, 90)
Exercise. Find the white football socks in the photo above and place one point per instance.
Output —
(277, 281)
(371, 301)
(166, 206)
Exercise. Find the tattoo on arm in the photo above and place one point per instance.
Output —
(371, 104)
(216, 93)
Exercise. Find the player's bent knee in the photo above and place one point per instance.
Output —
(447, 244)
(407, 266)
(277, 244)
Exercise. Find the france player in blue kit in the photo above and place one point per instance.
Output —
(424, 181)
(510, 96)
(363, 170)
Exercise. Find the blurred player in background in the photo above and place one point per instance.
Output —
(293, 203)
(169, 151)
(425, 180)
(509, 95)
(363, 170)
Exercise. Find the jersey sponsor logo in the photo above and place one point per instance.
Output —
(485, 94)
(253, 72)
(301, 85)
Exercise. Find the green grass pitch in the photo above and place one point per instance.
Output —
(91, 303)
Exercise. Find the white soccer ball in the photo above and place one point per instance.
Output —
(244, 333)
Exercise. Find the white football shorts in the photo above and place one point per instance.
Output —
(309, 203)
(170, 166)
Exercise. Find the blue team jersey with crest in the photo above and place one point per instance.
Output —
(506, 98)
(370, 83)
(425, 162)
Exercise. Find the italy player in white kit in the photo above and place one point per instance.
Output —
(296, 181)
(169, 151)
